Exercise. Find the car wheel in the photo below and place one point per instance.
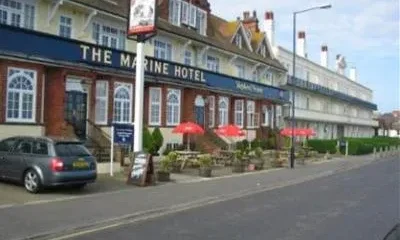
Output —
(32, 181)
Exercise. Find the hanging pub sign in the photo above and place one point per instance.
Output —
(142, 17)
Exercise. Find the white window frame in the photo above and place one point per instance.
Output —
(213, 63)
(102, 98)
(201, 22)
(239, 112)
(21, 13)
(267, 114)
(155, 105)
(211, 107)
(65, 26)
(223, 112)
(238, 40)
(192, 15)
(119, 36)
(251, 113)
(188, 58)
(175, 14)
(185, 13)
(21, 72)
(241, 70)
(159, 49)
(127, 86)
(177, 92)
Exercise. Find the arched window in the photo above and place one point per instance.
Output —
(223, 110)
(173, 107)
(122, 104)
(21, 91)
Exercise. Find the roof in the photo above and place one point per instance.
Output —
(216, 37)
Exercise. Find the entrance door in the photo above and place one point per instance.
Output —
(199, 110)
(340, 131)
(75, 112)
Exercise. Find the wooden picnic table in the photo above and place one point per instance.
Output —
(187, 156)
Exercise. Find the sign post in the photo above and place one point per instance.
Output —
(112, 152)
(141, 26)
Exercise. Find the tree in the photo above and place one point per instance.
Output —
(147, 140)
(386, 122)
(157, 139)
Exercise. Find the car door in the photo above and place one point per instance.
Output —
(15, 162)
(6, 146)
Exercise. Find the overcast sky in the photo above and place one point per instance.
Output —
(366, 32)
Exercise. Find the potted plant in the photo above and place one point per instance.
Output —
(175, 162)
(239, 164)
(163, 173)
(205, 162)
(258, 160)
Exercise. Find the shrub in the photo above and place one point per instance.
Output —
(256, 143)
(205, 161)
(157, 139)
(147, 141)
(323, 146)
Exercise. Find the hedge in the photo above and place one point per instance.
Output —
(361, 146)
(323, 146)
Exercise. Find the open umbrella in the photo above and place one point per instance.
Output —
(188, 128)
(230, 131)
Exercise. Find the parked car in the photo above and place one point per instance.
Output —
(40, 162)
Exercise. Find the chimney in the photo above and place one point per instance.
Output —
(269, 27)
(246, 15)
(324, 56)
(353, 74)
(301, 44)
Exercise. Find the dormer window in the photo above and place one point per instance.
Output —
(238, 41)
(184, 13)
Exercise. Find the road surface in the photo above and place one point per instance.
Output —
(357, 204)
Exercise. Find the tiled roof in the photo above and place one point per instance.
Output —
(219, 31)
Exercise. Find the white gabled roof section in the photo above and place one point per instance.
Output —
(242, 31)
(267, 43)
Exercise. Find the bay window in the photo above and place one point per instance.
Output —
(173, 107)
(101, 107)
(223, 110)
(155, 106)
(16, 13)
(21, 95)
(239, 111)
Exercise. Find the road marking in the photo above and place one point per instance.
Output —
(6, 206)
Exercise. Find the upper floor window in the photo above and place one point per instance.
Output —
(240, 71)
(238, 40)
(17, 14)
(211, 106)
(223, 111)
(182, 12)
(251, 114)
(65, 27)
(212, 63)
(188, 58)
(162, 50)
(109, 36)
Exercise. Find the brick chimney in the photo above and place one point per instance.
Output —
(251, 22)
(269, 27)
(301, 44)
(324, 56)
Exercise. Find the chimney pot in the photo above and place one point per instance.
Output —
(254, 14)
(302, 34)
(246, 15)
(269, 15)
(324, 56)
(324, 48)
(301, 42)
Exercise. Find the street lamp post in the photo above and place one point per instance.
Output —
(292, 155)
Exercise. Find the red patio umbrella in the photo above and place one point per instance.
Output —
(230, 131)
(297, 132)
(189, 128)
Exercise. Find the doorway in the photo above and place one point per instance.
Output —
(199, 104)
(76, 112)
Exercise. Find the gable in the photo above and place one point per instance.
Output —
(264, 48)
(240, 38)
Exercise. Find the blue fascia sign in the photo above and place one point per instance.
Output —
(123, 134)
(50, 48)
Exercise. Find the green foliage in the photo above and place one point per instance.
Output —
(323, 146)
(258, 152)
(256, 143)
(239, 155)
(147, 139)
(157, 139)
(205, 161)
(166, 164)
(361, 146)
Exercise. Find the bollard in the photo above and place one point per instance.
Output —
(374, 154)
(347, 148)
(380, 152)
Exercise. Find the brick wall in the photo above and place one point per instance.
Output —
(55, 93)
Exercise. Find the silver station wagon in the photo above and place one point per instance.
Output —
(40, 162)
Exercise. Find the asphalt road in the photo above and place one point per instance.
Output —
(358, 204)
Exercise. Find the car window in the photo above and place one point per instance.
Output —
(25, 146)
(7, 144)
(71, 149)
(40, 148)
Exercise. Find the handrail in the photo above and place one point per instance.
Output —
(93, 124)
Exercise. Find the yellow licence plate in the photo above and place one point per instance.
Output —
(80, 164)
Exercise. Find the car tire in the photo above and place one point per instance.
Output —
(32, 182)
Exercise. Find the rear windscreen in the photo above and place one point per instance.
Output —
(71, 149)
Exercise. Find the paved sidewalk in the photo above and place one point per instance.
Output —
(20, 222)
